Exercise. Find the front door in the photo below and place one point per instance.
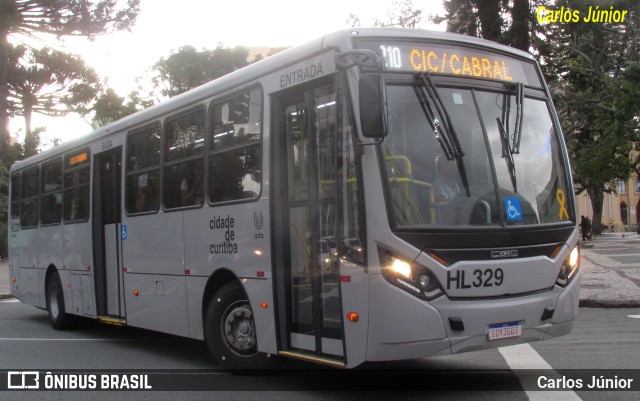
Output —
(305, 210)
(108, 232)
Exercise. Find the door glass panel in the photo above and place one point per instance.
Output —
(300, 233)
(326, 158)
(312, 148)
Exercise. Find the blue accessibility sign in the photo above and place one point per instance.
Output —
(513, 209)
(124, 232)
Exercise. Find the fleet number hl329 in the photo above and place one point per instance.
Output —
(480, 278)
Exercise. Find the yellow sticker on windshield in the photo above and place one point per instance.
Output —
(562, 199)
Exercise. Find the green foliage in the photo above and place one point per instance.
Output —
(506, 22)
(188, 68)
(110, 107)
(403, 14)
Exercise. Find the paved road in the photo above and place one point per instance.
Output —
(602, 339)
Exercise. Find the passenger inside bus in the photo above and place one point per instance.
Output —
(146, 199)
(192, 187)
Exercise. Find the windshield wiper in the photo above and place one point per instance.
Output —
(507, 153)
(517, 131)
(511, 146)
(444, 131)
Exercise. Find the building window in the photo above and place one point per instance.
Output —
(622, 187)
(624, 213)
(637, 185)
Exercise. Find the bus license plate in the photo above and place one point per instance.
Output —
(505, 330)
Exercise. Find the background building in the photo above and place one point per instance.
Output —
(619, 209)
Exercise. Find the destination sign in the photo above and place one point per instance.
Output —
(77, 159)
(448, 59)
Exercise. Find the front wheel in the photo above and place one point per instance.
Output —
(229, 331)
(60, 320)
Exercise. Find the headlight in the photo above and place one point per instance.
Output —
(569, 268)
(413, 278)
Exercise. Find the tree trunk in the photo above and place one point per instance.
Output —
(490, 20)
(520, 15)
(596, 193)
(30, 140)
(4, 97)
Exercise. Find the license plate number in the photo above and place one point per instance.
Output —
(505, 330)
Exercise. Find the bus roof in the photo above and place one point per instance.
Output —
(341, 40)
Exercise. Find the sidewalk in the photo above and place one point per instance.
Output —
(611, 271)
(610, 274)
(5, 288)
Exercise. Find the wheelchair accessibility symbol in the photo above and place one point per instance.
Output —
(513, 209)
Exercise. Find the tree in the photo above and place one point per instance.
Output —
(506, 22)
(188, 68)
(403, 14)
(48, 82)
(110, 107)
(55, 17)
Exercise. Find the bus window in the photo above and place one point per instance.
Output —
(29, 205)
(143, 171)
(15, 195)
(76, 186)
(51, 189)
(184, 161)
(235, 164)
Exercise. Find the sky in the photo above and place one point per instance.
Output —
(121, 57)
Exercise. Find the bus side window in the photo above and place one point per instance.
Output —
(29, 205)
(51, 189)
(183, 184)
(16, 180)
(235, 161)
(143, 170)
(76, 186)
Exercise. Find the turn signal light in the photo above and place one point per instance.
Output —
(264, 305)
(136, 292)
(353, 317)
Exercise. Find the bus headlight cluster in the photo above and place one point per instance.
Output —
(569, 268)
(411, 277)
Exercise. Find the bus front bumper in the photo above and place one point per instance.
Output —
(405, 327)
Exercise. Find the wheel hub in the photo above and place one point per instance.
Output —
(238, 328)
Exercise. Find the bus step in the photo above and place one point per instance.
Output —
(115, 321)
(313, 358)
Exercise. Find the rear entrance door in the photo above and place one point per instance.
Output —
(108, 232)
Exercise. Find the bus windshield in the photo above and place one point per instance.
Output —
(507, 171)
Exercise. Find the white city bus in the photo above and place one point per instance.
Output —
(373, 195)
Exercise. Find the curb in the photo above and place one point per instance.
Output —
(602, 303)
(7, 296)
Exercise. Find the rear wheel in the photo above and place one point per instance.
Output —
(60, 320)
(229, 331)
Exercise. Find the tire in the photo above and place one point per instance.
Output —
(60, 320)
(229, 331)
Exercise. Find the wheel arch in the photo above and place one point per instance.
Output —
(50, 270)
(217, 280)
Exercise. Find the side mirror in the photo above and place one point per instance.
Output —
(373, 106)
